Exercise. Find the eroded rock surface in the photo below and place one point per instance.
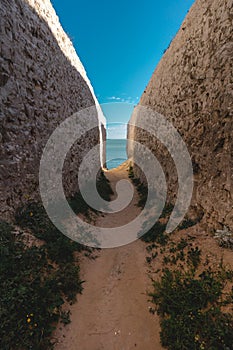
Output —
(192, 87)
(42, 82)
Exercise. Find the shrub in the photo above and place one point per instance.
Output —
(156, 234)
(190, 310)
(143, 193)
(142, 189)
(194, 256)
(29, 307)
(33, 291)
(104, 189)
(59, 248)
(187, 222)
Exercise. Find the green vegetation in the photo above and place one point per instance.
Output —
(34, 285)
(141, 188)
(36, 280)
(79, 205)
(130, 172)
(59, 248)
(194, 257)
(156, 234)
(186, 223)
(189, 302)
(104, 187)
(143, 193)
(190, 310)
(188, 298)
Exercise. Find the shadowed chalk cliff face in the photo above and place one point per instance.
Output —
(192, 87)
(42, 82)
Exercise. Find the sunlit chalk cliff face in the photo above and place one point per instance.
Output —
(192, 87)
(42, 82)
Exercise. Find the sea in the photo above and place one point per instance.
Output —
(115, 152)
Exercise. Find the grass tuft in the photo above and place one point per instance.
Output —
(190, 311)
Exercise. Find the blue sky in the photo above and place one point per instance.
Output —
(121, 42)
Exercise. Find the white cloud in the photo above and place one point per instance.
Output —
(113, 98)
(116, 98)
(126, 99)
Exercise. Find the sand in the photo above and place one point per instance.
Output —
(113, 311)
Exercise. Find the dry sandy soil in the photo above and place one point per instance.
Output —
(113, 311)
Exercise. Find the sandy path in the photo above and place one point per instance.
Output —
(112, 313)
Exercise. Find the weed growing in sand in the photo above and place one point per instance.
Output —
(33, 290)
(190, 310)
(190, 303)
(35, 281)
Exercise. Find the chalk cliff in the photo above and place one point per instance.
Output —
(42, 82)
(192, 87)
